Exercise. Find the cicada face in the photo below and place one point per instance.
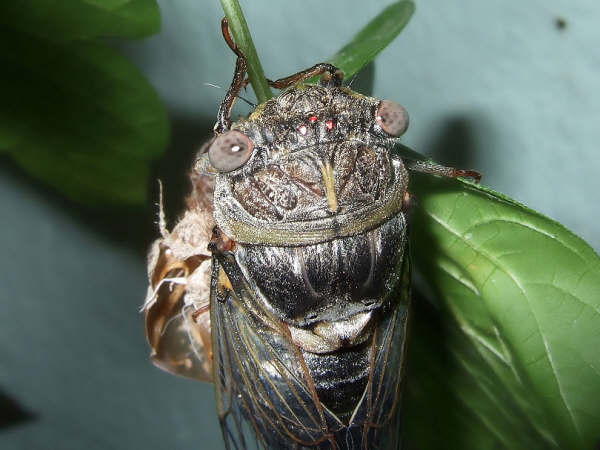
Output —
(310, 284)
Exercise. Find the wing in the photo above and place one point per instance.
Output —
(264, 392)
(378, 414)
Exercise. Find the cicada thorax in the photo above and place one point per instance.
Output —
(332, 297)
(329, 384)
(329, 281)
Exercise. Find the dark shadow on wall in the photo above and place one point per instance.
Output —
(467, 141)
(187, 136)
(12, 413)
(454, 143)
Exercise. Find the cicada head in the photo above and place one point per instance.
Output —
(310, 165)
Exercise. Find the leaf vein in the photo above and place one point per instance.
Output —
(517, 282)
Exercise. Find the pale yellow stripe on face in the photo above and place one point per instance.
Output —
(329, 181)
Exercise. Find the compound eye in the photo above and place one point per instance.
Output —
(392, 118)
(230, 151)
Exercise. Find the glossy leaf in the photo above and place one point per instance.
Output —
(80, 117)
(373, 38)
(62, 21)
(454, 399)
(515, 363)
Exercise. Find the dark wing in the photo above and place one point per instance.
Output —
(264, 392)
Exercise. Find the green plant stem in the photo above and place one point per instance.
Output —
(241, 35)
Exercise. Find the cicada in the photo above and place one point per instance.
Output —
(287, 280)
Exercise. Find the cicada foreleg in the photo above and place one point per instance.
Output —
(331, 76)
(238, 82)
(437, 169)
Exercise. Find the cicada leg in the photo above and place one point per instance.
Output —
(332, 76)
(238, 82)
(437, 169)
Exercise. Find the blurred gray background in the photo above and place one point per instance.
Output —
(509, 88)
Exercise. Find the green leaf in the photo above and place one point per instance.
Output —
(80, 117)
(515, 363)
(373, 38)
(62, 21)
(454, 399)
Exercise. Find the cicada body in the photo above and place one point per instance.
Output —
(311, 303)
(294, 252)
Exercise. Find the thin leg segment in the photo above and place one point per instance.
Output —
(436, 169)
(238, 82)
(332, 76)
